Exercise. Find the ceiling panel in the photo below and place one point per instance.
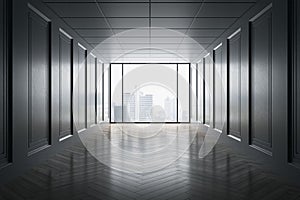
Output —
(184, 26)
(161, 46)
(205, 32)
(95, 40)
(185, 40)
(199, 40)
(75, 9)
(172, 22)
(95, 32)
(78, 23)
(190, 46)
(213, 22)
(155, 1)
(100, 1)
(212, 1)
(174, 9)
(193, 22)
(128, 22)
(166, 55)
(126, 32)
(164, 40)
(144, 32)
(86, 22)
(170, 32)
(118, 40)
(140, 51)
(125, 9)
(223, 9)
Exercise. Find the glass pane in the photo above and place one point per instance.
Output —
(200, 92)
(149, 93)
(106, 92)
(99, 91)
(116, 92)
(208, 89)
(183, 93)
(193, 94)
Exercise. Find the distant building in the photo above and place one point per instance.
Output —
(117, 113)
(129, 107)
(170, 109)
(145, 106)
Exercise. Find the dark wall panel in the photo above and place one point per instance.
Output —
(4, 80)
(100, 96)
(200, 91)
(297, 34)
(35, 95)
(207, 91)
(219, 95)
(295, 77)
(39, 80)
(65, 84)
(82, 89)
(234, 84)
(93, 62)
(261, 80)
(91, 83)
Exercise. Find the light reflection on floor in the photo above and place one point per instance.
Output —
(137, 148)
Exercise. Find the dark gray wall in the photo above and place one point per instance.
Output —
(200, 92)
(65, 84)
(234, 84)
(5, 84)
(261, 80)
(39, 97)
(91, 88)
(2, 91)
(82, 87)
(208, 71)
(37, 73)
(297, 35)
(219, 94)
(294, 139)
(262, 61)
(99, 89)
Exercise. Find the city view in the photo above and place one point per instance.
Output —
(149, 93)
(139, 107)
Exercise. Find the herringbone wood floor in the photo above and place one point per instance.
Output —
(76, 174)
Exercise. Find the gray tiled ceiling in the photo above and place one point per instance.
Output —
(213, 22)
(125, 9)
(222, 23)
(160, 1)
(87, 22)
(175, 9)
(128, 22)
(224, 9)
(75, 9)
(183, 26)
(172, 22)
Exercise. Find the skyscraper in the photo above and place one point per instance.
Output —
(170, 109)
(145, 106)
(129, 106)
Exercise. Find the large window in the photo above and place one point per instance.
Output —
(183, 93)
(106, 81)
(100, 95)
(149, 92)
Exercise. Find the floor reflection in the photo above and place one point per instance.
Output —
(143, 162)
(140, 148)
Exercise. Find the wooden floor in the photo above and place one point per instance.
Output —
(129, 162)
